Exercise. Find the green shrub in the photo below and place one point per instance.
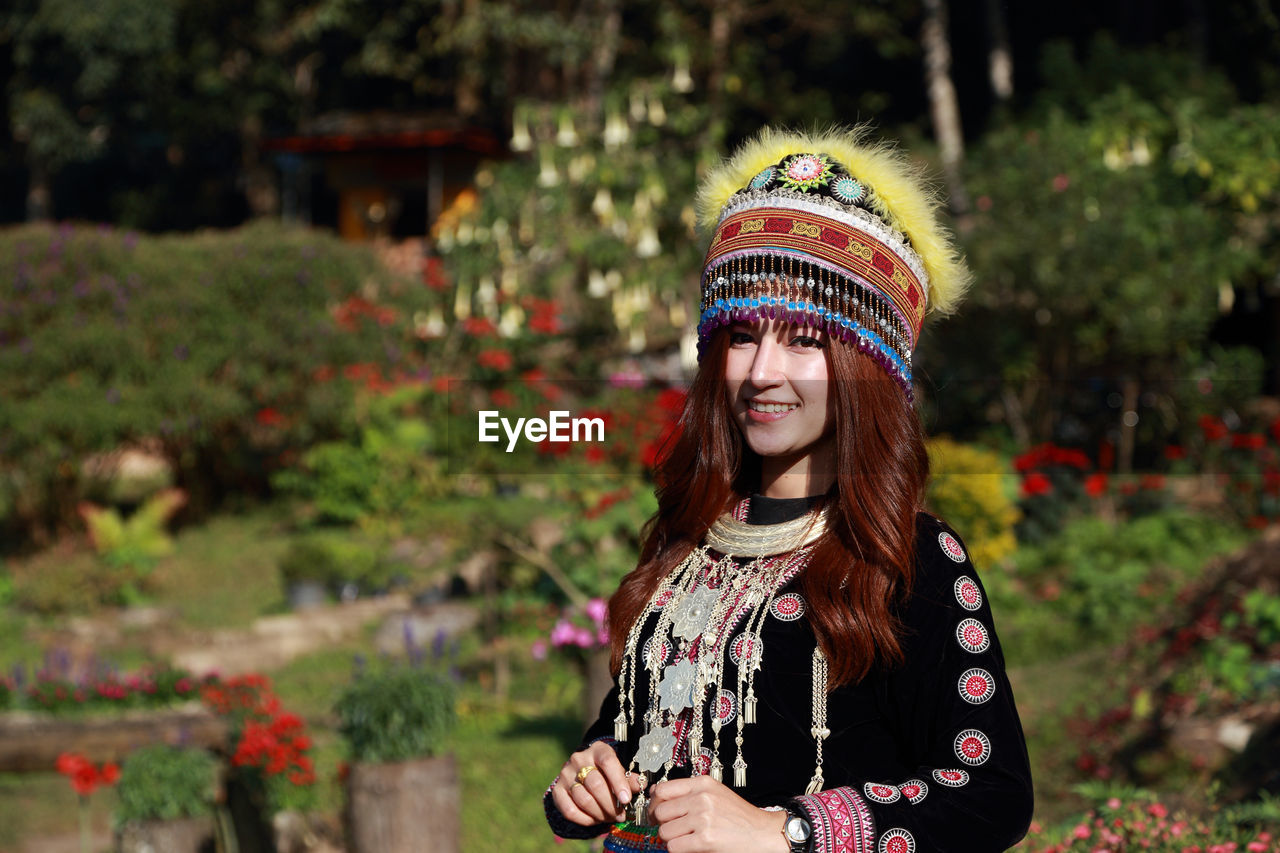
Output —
(163, 782)
(396, 714)
(231, 350)
(1096, 581)
(968, 490)
(335, 559)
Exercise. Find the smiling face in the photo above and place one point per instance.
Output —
(776, 382)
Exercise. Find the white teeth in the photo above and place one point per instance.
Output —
(771, 408)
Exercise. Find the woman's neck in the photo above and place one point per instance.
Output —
(812, 473)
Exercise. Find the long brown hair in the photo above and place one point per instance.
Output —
(861, 567)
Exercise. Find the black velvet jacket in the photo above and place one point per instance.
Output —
(927, 756)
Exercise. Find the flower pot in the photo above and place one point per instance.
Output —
(405, 807)
(185, 835)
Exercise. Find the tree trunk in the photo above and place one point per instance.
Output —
(999, 54)
(724, 14)
(603, 59)
(258, 178)
(39, 196)
(944, 109)
(407, 807)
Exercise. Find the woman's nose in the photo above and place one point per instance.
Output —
(766, 367)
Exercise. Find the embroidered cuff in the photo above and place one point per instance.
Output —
(561, 825)
(840, 819)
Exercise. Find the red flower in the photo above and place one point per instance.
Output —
(1106, 455)
(1174, 452)
(479, 327)
(1095, 485)
(1248, 441)
(270, 417)
(110, 773)
(595, 454)
(1275, 429)
(502, 398)
(495, 359)
(671, 400)
(1152, 482)
(1036, 484)
(1213, 428)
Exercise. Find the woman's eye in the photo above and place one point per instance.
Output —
(736, 338)
(806, 341)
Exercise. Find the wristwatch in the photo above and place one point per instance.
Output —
(797, 831)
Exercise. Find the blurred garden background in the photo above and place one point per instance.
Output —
(261, 263)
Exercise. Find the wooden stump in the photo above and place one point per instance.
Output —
(407, 807)
(187, 835)
(597, 682)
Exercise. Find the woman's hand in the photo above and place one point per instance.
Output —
(602, 793)
(701, 815)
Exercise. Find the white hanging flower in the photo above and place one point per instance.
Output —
(548, 176)
(602, 204)
(657, 113)
(648, 245)
(597, 284)
(616, 130)
(567, 135)
(681, 80)
(520, 138)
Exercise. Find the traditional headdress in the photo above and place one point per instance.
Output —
(828, 230)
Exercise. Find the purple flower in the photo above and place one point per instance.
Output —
(627, 379)
(539, 650)
(602, 636)
(83, 288)
(181, 352)
(597, 609)
(583, 637)
(113, 396)
(130, 239)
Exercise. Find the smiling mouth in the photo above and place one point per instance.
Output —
(771, 408)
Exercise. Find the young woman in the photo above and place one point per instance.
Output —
(804, 657)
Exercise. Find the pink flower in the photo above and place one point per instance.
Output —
(602, 637)
(1081, 831)
(583, 637)
(539, 650)
(1060, 183)
(1113, 803)
(563, 633)
(1157, 810)
(597, 609)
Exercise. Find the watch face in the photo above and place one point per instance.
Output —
(797, 829)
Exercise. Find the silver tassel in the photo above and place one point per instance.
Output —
(620, 726)
(739, 773)
(748, 706)
(717, 770)
(815, 784)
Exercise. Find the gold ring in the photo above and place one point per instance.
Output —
(584, 772)
(575, 785)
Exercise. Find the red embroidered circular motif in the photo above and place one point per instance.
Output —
(914, 790)
(746, 645)
(787, 607)
(976, 686)
(951, 778)
(726, 707)
(702, 764)
(881, 793)
(968, 594)
(973, 636)
(951, 546)
(897, 841)
(973, 747)
(664, 598)
(656, 652)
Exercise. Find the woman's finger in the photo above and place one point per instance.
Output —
(568, 808)
(615, 776)
(598, 786)
(587, 802)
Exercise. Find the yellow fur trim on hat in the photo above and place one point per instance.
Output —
(897, 192)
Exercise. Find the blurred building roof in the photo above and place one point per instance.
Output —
(366, 131)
